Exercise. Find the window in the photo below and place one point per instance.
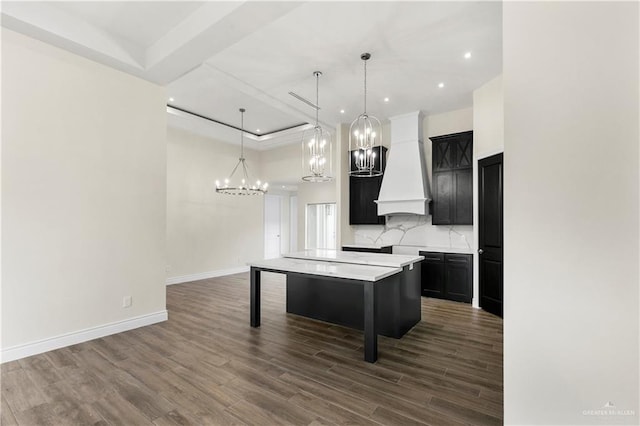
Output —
(321, 226)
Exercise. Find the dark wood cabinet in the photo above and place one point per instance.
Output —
(433, 275)
(459, 277)
(452, 162)
(381, 249)
(462, 150)
(447, 276)
(363, 191)
(441, 155)
(462, 197)
(442, 194)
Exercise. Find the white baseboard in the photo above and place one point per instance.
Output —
(205, 275)
(22, 351)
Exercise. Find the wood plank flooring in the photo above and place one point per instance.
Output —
(205, 365)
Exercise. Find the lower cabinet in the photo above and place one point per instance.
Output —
(447, 276)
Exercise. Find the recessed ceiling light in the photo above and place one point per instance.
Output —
(441, 85)
(386, 99)
(257, 130)
(171, 99)
(467, 55)
(282, 186)
(341, 111)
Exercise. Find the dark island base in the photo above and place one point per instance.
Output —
(340, 301)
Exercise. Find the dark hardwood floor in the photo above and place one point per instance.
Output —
(205, 365)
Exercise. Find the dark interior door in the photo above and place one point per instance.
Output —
(490, 246)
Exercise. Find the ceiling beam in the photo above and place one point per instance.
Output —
(246, 88)
(52, 25)
(207, 31)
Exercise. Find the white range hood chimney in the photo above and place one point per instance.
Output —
(404, 185)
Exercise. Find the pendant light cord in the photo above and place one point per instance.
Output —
(241, 133)
(365, 87)
(317, 104)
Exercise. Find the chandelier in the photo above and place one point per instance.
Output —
(316, 147)
(243, 187)
(365, 139)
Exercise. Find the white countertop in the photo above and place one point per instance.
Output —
(416, 249)
(327, 269)
(355, 257)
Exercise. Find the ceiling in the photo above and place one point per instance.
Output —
(215, 57)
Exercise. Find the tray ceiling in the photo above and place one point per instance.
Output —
(215, 57)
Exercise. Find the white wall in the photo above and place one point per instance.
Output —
(345, 231)
(488, 139)
(488, 118)
(83, 197)
(459, 120)
(571, 299)
(208, 234)
(282, 164)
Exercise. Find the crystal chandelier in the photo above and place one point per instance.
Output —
(365, 139)
(230, 187)
(316, 149)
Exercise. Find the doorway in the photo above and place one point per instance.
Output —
(272, 226)
(293, 223)
(321, 224)
(490, 233)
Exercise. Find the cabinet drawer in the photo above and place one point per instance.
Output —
(458, 258)
(432, 256)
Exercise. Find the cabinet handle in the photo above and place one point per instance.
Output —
(480, 251)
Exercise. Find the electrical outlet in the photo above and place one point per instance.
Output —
(126, 302)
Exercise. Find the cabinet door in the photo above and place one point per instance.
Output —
(362, 195)
(442, 198)
(458, 277)
(442, 156)
(463, 150)
(462, 197)
(452, 161)
(355, 213)
(370, 192)
(433, 275)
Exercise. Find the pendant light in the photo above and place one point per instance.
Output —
(365, 139)
(316, 149)
(243, 186)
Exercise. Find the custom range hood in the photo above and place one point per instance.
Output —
(404, 184)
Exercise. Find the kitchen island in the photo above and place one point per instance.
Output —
(376, 293)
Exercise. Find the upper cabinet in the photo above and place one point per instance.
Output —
(363, 191)
(463, 150)
(451, 152)
(452, 162)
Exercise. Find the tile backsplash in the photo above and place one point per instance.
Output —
(414, 230)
